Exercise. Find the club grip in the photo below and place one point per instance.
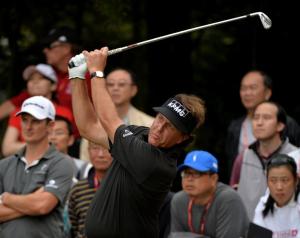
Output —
(76, 61)
(80, 59)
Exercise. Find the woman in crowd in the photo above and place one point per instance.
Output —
(279, 209)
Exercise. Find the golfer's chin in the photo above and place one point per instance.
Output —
(153, 141)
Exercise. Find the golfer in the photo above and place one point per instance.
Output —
(144, 166)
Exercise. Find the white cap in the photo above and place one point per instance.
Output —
(38, 107)
(44, 69)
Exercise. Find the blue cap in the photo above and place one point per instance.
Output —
(201, 161)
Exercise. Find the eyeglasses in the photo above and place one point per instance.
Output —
(194, 175)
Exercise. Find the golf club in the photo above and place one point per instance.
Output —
(265, 20)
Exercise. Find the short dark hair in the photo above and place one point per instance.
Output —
(281, 113)
(69, 124)
(267, 80)
(132, 75)
(277, 161)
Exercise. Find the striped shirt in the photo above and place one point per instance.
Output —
(81, 196)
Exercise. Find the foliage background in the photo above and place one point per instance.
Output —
(208, 63)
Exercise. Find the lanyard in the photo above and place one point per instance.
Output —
(96, 182)
(202, 220)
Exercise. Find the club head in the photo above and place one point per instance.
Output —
(265, 20)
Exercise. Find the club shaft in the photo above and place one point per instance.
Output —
(266, 21)
(121, 49)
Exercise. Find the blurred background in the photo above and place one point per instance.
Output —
(208, 63)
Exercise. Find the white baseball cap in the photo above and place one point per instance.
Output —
(38, 107)
(44, 69)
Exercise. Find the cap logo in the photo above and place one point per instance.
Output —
(195, 158)
(127, 133)
(62, 38)
(178, 108)
(34, 104)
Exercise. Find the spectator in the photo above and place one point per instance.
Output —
(34, 183)
(256, 87)
(206, 206)
(278, 210)
(41, 81)
(61, 45)
(144, 164)
(62, 137)
(83, 192)
(122, 86)
(269, 120)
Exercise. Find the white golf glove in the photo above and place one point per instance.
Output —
(80, 69)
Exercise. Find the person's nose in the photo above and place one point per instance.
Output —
(160, 127)
(258, 121)
(279, 186)
(100, 152)
(52, 137)
(28, 125)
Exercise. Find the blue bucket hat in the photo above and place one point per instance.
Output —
(201, 161)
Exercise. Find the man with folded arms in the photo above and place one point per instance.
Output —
(34, 182)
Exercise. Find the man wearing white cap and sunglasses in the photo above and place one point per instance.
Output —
(206, 207)
(34, 182)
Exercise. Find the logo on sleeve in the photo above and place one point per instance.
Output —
(51, 184)
(127, 133)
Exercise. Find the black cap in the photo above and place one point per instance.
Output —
(61, 34)
(178, 115)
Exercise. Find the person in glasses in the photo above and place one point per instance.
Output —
(256, 86)
(83, 192)
(278, 210)
(205, 206)
(122, 85)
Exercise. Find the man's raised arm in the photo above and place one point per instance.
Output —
(104, 106)
(86, 119)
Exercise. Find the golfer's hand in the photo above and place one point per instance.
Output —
(96, 60)
(80, 70)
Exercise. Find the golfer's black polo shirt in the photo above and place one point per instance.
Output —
(128, 201)
(54, 171)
